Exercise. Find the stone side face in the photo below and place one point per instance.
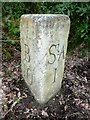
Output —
(43, 50)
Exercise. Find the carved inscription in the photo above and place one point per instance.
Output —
(55, 53)
(52, 54)
(27, 53)
(55, 71)
(27, 71)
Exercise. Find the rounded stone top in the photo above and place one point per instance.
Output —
(46, 17)
(42, 15)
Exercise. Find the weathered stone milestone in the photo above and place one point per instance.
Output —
(43, 50)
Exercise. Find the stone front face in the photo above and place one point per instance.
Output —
(43, 50)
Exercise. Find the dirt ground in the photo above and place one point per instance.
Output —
(71, 102)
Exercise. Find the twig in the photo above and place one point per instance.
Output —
(14, 104)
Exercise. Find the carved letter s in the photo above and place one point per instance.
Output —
(54, 56)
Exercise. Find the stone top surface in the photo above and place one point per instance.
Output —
(36, 15)
(41, 17)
